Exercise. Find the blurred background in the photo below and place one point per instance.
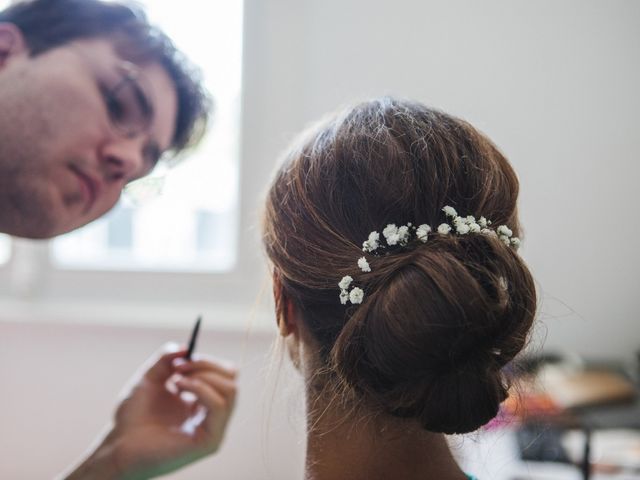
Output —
(553, 83)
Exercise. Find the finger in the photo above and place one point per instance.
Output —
(218, 409)
(214, 400)
(221, 367)
(226, 386)
(161, 364)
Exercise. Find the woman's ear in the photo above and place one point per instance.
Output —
(12, 42)
(285, 310)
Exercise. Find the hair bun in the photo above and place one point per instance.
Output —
(438, 324)
(461, 401)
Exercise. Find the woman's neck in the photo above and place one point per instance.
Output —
(343, 445)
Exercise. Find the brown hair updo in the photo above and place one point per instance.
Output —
(439, 320)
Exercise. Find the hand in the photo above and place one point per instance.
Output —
(156, 428)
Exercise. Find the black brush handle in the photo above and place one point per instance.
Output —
(194, 337)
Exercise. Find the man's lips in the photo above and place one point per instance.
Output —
(89, 187)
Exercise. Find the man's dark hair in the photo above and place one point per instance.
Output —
(46, 24)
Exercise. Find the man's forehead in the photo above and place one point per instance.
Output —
(113, 46)
(135, 52)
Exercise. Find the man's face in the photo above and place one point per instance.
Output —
(77, 123)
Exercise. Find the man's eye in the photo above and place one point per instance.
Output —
(151, 154)
(115, 108)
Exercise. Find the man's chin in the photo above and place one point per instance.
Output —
(41, 230)
(37, 233)
(42, 213)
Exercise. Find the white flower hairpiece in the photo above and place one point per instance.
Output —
(444, 228)
(371, 243)
(422, 232)
(345, 282)
(344, 297)
(462, 228)
(450, 211)
(391, 234)
(363, 264)
(395, 236)
(403, 234)
(356, 295)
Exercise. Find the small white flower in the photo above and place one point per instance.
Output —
(515, 242)
(391, 234)
(422, 233)
(450, 211)
(482, 222)
(390, 229)
(345, 282)
(444, 228)
(471, 219)
(363, 264)
(489, 232)
(506, 240)
(356, 295)
(462, 228)
(372, 242)
(409, 224)
(504, 230)
(459, 221)
(474, 227)
(344, 297)
(403, 235)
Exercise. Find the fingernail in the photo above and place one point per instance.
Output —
(171, 347)
(182, 381)
(228, 365)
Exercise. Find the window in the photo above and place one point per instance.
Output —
(156, 258)
(187, 219)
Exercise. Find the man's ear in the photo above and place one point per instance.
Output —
(12, 43)
(285, 310)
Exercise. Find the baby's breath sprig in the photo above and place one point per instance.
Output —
(402, 235)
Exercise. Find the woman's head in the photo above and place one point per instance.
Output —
(439, 319)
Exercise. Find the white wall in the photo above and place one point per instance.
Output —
(553, 83)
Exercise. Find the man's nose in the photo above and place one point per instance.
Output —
(122, 158)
